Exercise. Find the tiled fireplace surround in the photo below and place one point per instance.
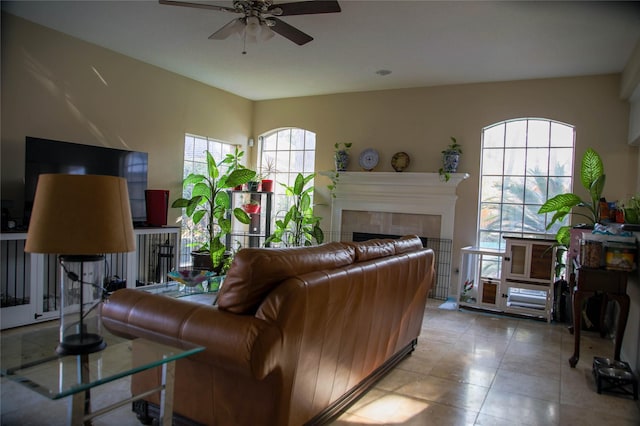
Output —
(391, 203)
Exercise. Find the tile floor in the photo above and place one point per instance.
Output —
(469, 369)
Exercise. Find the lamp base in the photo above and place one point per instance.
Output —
(80, 344)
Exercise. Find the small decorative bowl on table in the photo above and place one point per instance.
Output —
(190, 278)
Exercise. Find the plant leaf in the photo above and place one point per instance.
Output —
(197, 216)
(298, 186)
(241, 215)
(596, 189)
(563, 236)
(238, 177)
(193, 178)
(180, 203)
(212, 168)
(559, 202)
(591, 168)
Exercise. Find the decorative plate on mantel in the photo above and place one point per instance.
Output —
(369, 159)
(400, 161)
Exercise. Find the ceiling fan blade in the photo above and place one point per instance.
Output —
(292, 33)
(305, 8)
(198, 5)
(235, 26)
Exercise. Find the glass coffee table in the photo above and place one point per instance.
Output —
(30, 359)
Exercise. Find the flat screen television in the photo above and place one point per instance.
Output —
(50, 156)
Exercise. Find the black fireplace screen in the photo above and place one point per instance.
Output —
(442, 250)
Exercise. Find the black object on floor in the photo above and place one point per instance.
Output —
(615, 377)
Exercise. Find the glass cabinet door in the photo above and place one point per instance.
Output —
(518, 260)
(541, 262)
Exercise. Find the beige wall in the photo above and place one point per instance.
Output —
(58, 87)
(420, 121)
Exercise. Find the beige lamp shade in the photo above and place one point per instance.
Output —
(81, 215)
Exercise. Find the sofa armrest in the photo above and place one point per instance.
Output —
(243, 343)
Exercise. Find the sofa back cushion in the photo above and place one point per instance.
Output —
(408, 243)
(373, 249)
(256, 271)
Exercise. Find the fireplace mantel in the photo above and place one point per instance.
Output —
(392, 192)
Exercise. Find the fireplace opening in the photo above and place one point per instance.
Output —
(442, 250)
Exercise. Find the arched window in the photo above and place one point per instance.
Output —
(286, 152)
(523, 163)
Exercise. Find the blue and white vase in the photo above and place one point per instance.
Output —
(450, 160)
(342, 160)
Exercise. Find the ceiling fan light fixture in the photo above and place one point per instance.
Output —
(266, 33)
(253, 26)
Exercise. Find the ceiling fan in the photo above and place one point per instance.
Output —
(259, 18)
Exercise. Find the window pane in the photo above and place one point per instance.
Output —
(513, 190)
(269, 143)
(490, 216)
(297, 139)
(297, 161)
(491, 189)
(559, 185)
(538, 133)
(562, 135)
(492, 161)
(282, 159)
(537, 162)
(494, 137)
(536, 190)
(199, 148)
(512, 217)
(533, 222)
(309, 161)
(310, 141)
(561, 161)
(284, 140)
(491, 239)
(514, 161)
(516, 133)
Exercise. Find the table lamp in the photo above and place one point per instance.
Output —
(80, 218)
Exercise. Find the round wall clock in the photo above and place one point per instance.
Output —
(369, 159)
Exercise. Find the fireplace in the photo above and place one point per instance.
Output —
(393, 204)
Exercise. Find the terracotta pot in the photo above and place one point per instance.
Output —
(251, 208)
(267, 185)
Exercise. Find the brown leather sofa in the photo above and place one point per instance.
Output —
(297, 334)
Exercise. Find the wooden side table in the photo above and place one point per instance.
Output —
(584, 284)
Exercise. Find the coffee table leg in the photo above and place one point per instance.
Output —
(81, 401)
(166, 395)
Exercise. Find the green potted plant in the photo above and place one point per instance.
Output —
(210, 202)
(299, 227)
(450, 159)
(341, 158)
(233, 161)
(593, 179)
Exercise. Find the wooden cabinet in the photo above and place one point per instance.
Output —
(258, 206)
(480, 277)
(518, 280)
(527, 282)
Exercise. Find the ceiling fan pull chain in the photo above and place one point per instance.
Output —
(244, 41)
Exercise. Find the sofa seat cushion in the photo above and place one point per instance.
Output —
(256, 271)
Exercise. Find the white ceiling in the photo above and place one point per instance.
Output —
(423, 43)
